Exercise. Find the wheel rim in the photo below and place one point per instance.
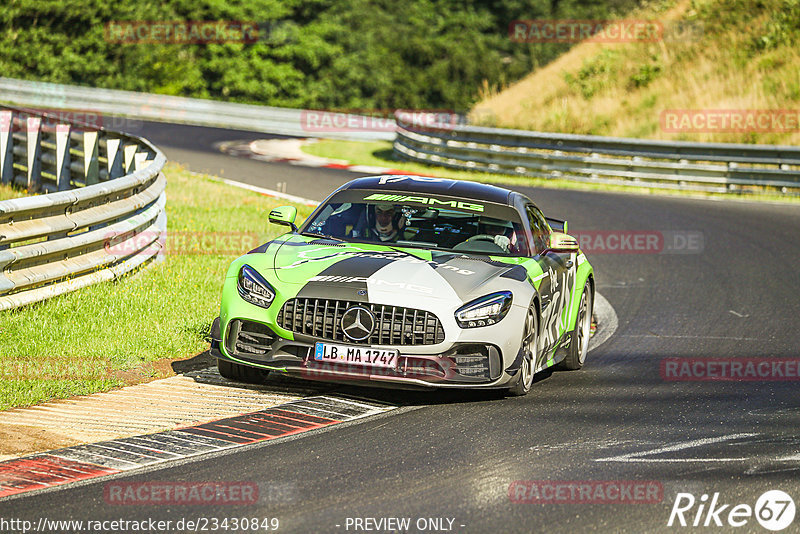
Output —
(584, 325)
(528, 350)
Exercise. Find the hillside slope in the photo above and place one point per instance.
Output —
(741, 55)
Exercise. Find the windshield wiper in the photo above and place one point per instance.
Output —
(324, 236)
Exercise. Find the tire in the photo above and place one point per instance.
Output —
(530, 348)
(241, 373)
(579, 337)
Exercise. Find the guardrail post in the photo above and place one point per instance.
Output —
(91, 166)
(129, 151)
(140, 160)
(161, 224)
(63, 158)
(34, 139)
(114, 156)
(6, 147)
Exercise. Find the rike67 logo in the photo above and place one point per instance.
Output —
(774, 510)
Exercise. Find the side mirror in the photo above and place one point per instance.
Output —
(557, 224)
(562, 243)
(284, 215)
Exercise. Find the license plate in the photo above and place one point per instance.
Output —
(367, 356)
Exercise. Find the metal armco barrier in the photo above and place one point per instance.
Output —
(710, 167)
(103, 216)
(175, 109)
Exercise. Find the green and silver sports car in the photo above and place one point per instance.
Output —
(409, 281)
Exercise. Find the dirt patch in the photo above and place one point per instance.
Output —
(19, 440)
(163, 368)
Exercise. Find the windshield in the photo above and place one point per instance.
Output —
(427, 221)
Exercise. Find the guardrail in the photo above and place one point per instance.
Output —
(104, 215)
(175, 109)
(710, 167)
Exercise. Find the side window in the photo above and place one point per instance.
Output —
(538, 227)
(543, 224)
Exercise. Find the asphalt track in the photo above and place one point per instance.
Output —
(454, 455)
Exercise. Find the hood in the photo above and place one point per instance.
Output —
(379, 273)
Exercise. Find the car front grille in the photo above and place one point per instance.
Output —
(394, 325)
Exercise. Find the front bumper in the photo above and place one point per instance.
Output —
(465, 364)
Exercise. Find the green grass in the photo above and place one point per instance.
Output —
(7, 192)
(379, 153)
(163, 311)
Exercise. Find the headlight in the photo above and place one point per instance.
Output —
(253, 288)
(484, 311)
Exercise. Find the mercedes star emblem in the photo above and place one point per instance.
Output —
(358, 323)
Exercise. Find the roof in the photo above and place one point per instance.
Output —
(437, 186)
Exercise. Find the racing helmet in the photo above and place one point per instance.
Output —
(495, 226)
(385, 226)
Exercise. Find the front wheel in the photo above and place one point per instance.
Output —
(241, 373)
(530, 353)
(579, 338)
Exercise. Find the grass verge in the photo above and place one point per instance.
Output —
(84, 342)
(379, 153)
(8, 192)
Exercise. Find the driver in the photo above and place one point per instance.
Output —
(500, 232)
(386, 227)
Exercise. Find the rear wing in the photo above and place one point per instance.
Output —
(557, 225)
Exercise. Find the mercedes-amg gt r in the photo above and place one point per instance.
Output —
(409, 281)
